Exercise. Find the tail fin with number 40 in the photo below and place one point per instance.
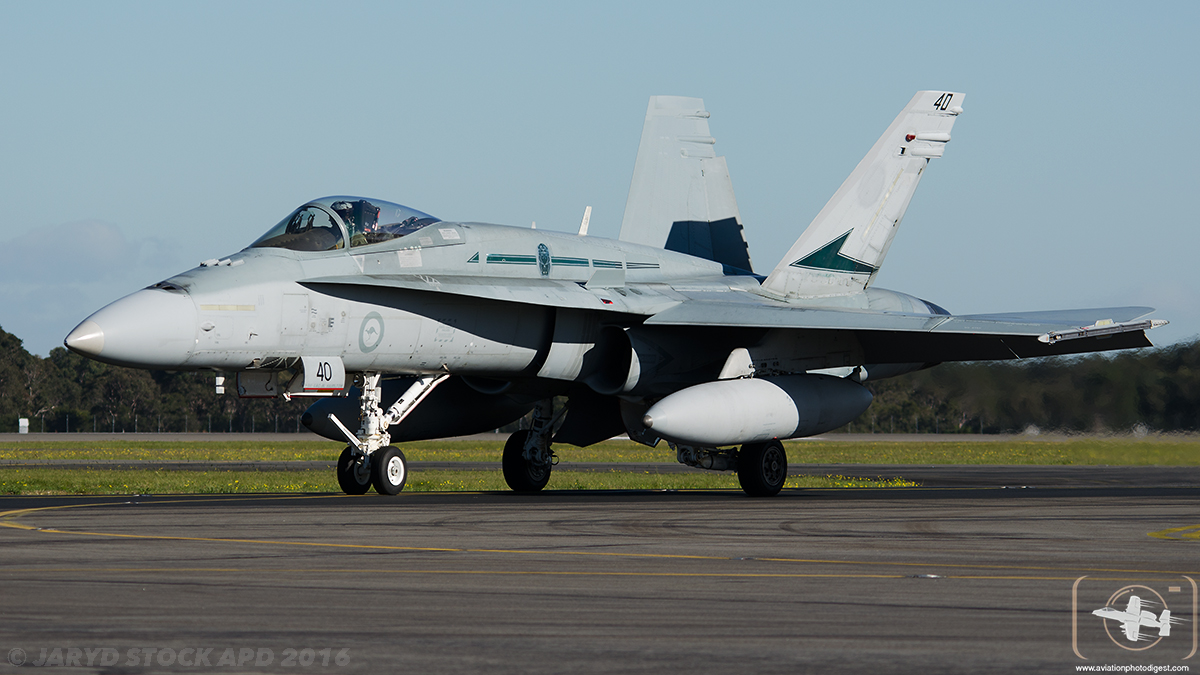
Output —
(843, 248)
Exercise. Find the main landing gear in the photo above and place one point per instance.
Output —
(528, 458)
(761, 467)
(370, 460)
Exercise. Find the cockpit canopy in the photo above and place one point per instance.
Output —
(324, 224)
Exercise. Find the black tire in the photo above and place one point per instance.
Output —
(521, 474)
(353, 472)
(389, 470)
(762, 468)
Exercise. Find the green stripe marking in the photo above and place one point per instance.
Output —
(829, 258)
(569, 262)
(506, 259)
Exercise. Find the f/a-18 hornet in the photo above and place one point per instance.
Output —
(411, 327)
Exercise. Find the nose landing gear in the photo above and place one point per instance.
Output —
(354, 472)
(370, 459)
(389, 470)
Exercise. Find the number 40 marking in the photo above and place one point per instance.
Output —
(325, 371)
(943, 102)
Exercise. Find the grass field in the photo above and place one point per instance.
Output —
(26, 480)
(1086, 451)
(41, 481)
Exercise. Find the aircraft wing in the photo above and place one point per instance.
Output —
(1132, 630)
(886, 337)
(781, 315)
(893, 337)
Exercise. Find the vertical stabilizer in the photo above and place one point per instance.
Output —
(681, 198)
(843, 248)
(1164, 623)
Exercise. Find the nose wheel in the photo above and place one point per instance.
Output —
(389, 470)
(354, 472)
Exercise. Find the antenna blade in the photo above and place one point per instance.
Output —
(587, 216)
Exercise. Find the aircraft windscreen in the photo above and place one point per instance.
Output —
(319, 224)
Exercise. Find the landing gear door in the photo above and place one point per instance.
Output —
(256, 384)
(323, 376)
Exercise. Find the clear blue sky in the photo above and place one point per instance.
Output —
(141, 138)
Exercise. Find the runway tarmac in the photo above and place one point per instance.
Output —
(927, 475)
(904, 580)
(305, 435)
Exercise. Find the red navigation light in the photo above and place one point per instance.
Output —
(910, 137)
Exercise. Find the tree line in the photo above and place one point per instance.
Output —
(1154, 389)
(67, 392)
(1147, 389)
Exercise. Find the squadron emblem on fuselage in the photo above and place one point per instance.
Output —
(544, 259)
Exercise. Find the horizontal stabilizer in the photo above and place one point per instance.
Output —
(681, 197)
(843, 248)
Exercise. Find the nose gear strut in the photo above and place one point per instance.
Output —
(356, 463)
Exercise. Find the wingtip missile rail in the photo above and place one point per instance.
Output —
(1099, 329)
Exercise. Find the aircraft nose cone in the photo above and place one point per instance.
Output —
(86, 339)
(151, 328)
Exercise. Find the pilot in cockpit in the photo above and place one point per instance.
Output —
(361, 218)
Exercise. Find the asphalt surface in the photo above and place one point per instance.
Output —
(305, 435)
(927, 475)
(196, 437)
(933, 580)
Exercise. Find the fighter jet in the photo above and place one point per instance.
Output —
(1134, 617)
(411, 327)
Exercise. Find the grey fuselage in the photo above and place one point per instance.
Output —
(471, 299)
